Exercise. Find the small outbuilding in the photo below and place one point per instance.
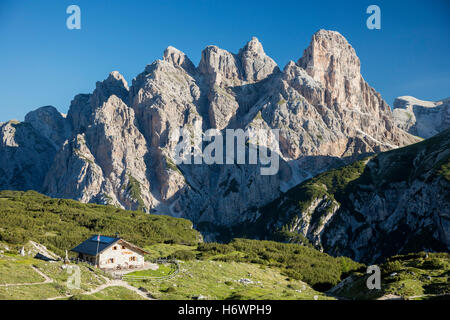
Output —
(110, 253)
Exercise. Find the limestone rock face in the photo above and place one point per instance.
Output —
(106, 160)
(220, 67)
(178, 58)
(51, 124)
(80, 113)
(394, 203)
(256, 65)
(25, 156)
(82, 108)
(115, 84)
(119, 148)
(247, 90)
(333, 62)
(422, 118)
(231, 80)
(165, 97)
(74, 173)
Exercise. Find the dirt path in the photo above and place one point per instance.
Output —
(110, 283)
(46, 280)
(390, 297)
(118, 283)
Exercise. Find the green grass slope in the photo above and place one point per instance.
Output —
(317, 269)
(247, 269)
(240, 269)
(18, 280)
(61, 224)
(412, 276)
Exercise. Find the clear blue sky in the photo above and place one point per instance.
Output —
(44, 63)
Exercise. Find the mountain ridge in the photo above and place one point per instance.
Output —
(118, 151)
(392, 203)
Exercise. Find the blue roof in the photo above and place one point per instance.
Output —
(89, 246)
(104, 239)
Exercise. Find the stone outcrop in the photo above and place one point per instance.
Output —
(422, 118)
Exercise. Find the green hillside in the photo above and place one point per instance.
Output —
(61, 224)
(412, 276)
(341, 201)
(275, 270)
(316, 268)
(240, 269)
(205, 278)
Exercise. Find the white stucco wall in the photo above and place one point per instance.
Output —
(121, 257)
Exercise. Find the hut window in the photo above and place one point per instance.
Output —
(132, 258)
(123, 247)
(114, 248)
(111, 260)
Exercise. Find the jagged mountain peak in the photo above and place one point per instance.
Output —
(178, 58)
(329, 51)
(332, 61)
(116, 76)
(83, 106)
(329, 34)
(256, 65)
(254, 45)
(114, 80)
(290, 64)
(50, 123)
(249, 65)
(219, 66)
(329, 38)
(114, 84)
(44, 109)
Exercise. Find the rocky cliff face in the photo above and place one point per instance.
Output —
(396, 202)
(25, 156)
(422, 118)
(51, 124)
(105, 159)
(114, 145)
